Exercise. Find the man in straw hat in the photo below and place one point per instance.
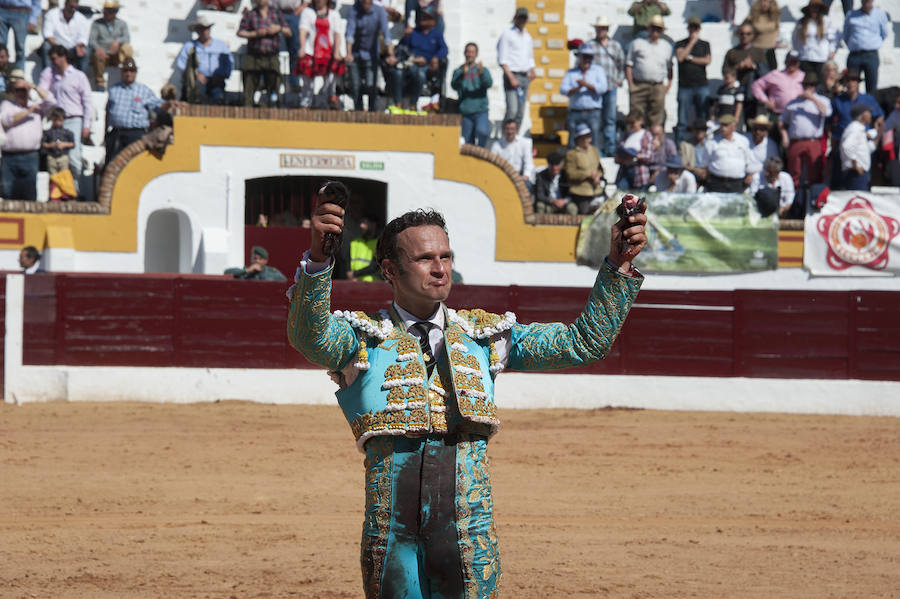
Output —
(802, 128)
(693, 56)
(585, 85)
(22, 120)
(205, 63)
(610, 56)
(761, 143)
(109, 43)
(648, 68)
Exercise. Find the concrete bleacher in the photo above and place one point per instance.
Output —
(159, 28)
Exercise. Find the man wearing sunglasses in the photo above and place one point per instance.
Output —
(748, 60)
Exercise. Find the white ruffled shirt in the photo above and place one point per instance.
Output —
(435, 334)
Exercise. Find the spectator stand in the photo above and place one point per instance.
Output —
(158, 35)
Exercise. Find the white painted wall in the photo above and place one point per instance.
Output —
(211, 222)
(25, 384)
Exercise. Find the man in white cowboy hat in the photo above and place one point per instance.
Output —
(109, 42)
(611, 58)
(648, 68)
(585, 86)
(205, 63)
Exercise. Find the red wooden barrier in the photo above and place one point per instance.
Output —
(137, 320)
(2, 336)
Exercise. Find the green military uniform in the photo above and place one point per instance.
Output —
(642, 14)
(266, 274)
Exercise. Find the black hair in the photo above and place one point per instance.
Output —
(57, 113)
(554, 158)
(386, 249)
(31, 252)
(508, 121)
(59, 50)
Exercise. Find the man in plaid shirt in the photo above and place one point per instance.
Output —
(261, 28)
(127, 110)
(611, 57)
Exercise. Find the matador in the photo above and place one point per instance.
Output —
(416, 384)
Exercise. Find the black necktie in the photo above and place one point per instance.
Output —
(421, 329)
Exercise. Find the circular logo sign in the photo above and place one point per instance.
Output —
(858, 236)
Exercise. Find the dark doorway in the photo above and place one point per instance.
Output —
(286, 204)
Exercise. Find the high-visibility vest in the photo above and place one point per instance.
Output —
(362, 254)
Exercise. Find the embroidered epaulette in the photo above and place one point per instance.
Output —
(479, 324)
(379, 325)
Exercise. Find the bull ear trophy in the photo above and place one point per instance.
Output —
(631, 205)
(333, 192)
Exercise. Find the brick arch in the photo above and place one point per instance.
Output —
(510, 171)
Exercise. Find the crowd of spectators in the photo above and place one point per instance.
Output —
(762, 128)
(391, 55)
(73, 46)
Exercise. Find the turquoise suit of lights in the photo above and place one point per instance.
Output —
(428, 529)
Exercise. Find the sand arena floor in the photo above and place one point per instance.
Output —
(243, 500)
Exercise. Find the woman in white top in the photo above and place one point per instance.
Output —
(321, 54)
(815, 38)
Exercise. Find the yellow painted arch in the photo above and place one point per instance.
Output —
(117, 230)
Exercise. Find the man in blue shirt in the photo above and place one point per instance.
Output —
(20, 16)
(842, 104)
(127, 110)
(585, 86)
(364, 23)
(427, 50)
(864, 32)
(206, 64)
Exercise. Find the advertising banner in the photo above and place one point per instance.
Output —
(691, 233)
(856, 234)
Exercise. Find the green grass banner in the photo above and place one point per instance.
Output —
(691, 233)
